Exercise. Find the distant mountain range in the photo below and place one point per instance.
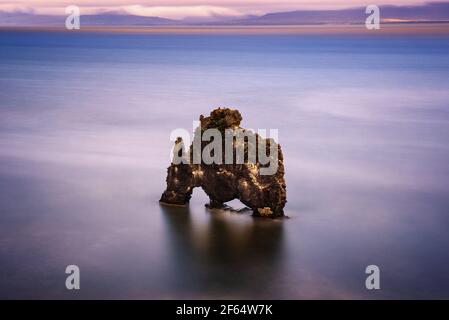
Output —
(431, 12)
(106, 19)
(388, 13)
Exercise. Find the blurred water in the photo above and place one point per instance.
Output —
(85, 120)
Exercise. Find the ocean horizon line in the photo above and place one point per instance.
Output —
(386, 28)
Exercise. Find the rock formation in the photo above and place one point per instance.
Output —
(265, 194)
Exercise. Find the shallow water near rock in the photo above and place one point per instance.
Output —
(85, 121)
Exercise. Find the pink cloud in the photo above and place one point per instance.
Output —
(179, 9)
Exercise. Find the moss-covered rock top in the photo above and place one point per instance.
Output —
(221, 118)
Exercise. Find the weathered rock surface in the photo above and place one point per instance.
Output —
(264, 194)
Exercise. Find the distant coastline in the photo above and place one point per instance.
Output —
(386, 28)
(118, 19)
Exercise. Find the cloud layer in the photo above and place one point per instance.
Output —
(180, 9)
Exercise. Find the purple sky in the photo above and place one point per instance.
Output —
(178, 9)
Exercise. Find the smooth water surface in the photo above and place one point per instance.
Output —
(85, 120)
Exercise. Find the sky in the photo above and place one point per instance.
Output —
(179, 9)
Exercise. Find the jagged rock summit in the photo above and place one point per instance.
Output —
(229, 177)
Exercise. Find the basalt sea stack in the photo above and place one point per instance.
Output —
(229, 177)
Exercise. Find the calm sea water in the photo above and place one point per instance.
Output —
(85, 121)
